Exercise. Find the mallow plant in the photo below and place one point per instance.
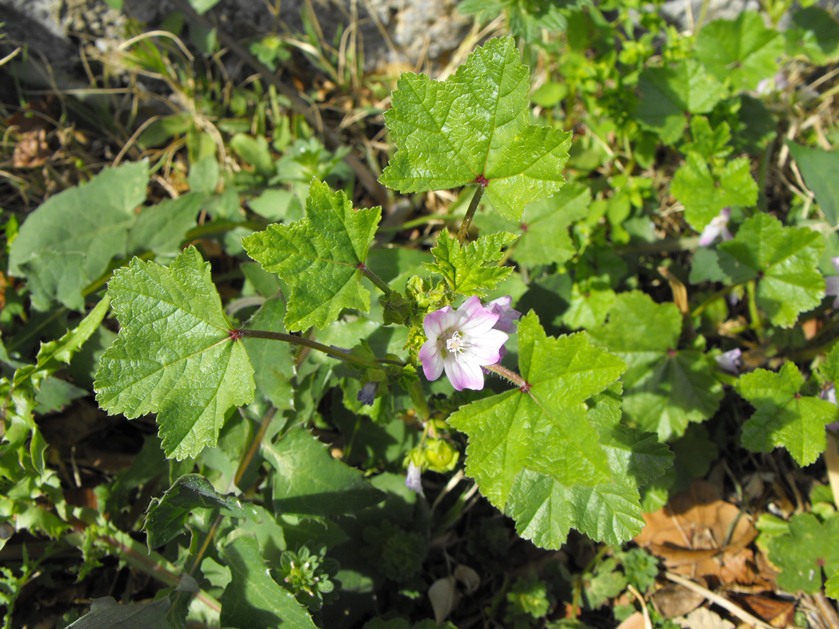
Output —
(565, 416)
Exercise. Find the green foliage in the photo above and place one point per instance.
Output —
(668, 93)
(705, 191)
(471, 269)
(319, 257)
(806, 553)
(69, 241)
(783, 417)
(742, 51)
(253, 598)
(475, 128)
(167, 515)
(189, 371)
(818, 168)
(784, 260)
(308, 576)
(527, 596)
(521, 443)
(666, 388)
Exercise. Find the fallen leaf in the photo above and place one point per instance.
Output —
(674, 600)
(699, 535)
(444, 598)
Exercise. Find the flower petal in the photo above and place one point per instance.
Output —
(464, 374)
(437, 322)
(431, 359)
(487, 349)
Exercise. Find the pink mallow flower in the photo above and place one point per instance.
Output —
(461, 342)
(506, 313)
(717, 227)
(831, 284)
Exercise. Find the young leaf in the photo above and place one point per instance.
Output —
(704, 193)
(802, 554)
(537, 455)
(668, 93)
(69, 240)
(785, 259)
(475, 128)
(307, 480)
(252, 598)
(666, 388)
(783, 417)
(174, 355)
(471, 269)
(167, 515)
(319, 257)
(743, 51)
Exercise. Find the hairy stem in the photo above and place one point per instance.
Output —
(509, 375)
(329, 350)
(470, 213)
(379, 282)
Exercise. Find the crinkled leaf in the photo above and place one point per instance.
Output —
(743, 51)
(538, 456)
(308, 481)
(174, 355)
(166, 516)
(69, 240)
(666, 388)
(319, 257)
(802, 554)
(252, 598)
(705, 193)
(471, 269)
(476, 124)
(591, 300)
(784, 418)
(668, 93)
(785, 259)
(819, 169)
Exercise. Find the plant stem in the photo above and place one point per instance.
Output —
(467, 220)
(509, 375)
(754, 313)
(334, 352)
(379, 282)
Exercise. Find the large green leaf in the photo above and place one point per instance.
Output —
(705, 192)
(475, 127)
(69, 240)
(545, 455)
(308, 481)
(783, 417)
(743, 51)
(174, 355)
(668, 93)
(666, 387)
(319, 257)
(785, 262)
(253, 599)
(819, 169)
(806, 552)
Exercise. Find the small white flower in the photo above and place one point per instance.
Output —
(718, 227)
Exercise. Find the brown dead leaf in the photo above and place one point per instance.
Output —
(675, 600)
(635, 621)
(31, 150)
(699, 535)
(777, 613)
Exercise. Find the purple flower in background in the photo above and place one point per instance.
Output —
(831, 284)
(506, 313)
(731, 361)
(413, 479)
(717, 227)
(461, 342)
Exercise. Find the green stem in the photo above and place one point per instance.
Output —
(754, 313)
(377, 281)
(473, 207)
(334, 352)
(509, 375)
